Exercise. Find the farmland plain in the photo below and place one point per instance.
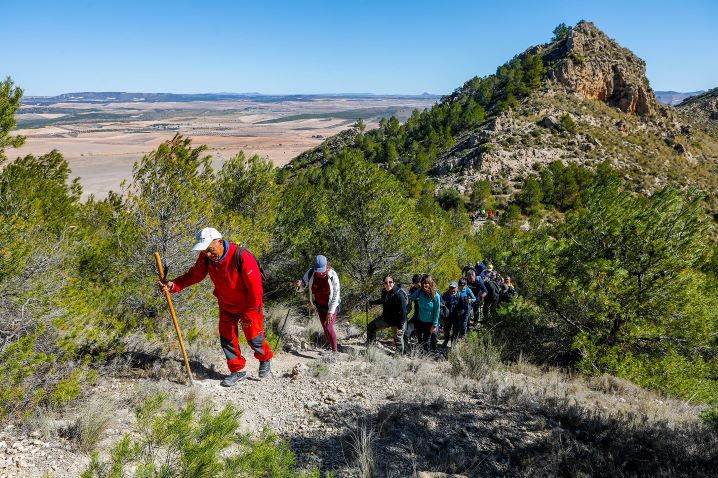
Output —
(103, 134)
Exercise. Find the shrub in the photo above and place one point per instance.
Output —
(710, 416)
(90, 425)
(475, 357)
(185, 442)
(560, 32)
(568, 124)
(362, 444)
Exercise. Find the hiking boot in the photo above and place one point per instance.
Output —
(265, 368)
(233, 378)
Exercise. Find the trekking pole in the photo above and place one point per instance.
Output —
(366, 316)
(161, 272)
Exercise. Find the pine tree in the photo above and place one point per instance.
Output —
(10, 97)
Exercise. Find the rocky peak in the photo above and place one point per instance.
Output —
(586, 61)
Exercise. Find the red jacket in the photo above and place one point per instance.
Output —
(235, 292)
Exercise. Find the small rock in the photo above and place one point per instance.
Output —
(679, 148)
(548, 121)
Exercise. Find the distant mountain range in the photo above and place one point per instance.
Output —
(123, 97)
(673, 98)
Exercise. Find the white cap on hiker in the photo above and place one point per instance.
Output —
(205, 237)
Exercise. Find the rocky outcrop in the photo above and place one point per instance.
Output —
(594, 66)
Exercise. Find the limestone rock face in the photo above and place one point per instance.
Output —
(594, 66)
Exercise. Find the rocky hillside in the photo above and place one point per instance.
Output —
(595, 103)
(702, 110)
(590, 102)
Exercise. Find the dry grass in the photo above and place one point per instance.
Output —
(89, 427)
(361, 440)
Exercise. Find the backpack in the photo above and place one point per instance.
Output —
(405, 294)
(444, 311)
(238, 262)
(493, 290)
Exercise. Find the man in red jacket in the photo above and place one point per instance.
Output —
(240, 297)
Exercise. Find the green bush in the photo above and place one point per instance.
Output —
(475, 357)
(568, 124)
(710, 416)
(190, 443)
(618, 289)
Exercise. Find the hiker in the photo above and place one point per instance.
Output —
(507, 291)
(467, 295)
(455, 309)
(488, 269)
(428, 305)
(323, 284)
(492, 297)
(393, 301)
(410, 322)
(237, 278)
(478, 288)
(480, 268)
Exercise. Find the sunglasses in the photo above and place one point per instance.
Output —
(388, 282)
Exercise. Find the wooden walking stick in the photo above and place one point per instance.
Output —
(161, 272)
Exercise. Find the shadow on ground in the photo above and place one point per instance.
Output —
(476, 438)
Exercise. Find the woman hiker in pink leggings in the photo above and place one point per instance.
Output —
(323, 284)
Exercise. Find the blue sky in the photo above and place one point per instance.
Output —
(53, 47)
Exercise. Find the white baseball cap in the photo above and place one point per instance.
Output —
(204, 237)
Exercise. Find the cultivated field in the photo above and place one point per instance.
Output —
(101, 139)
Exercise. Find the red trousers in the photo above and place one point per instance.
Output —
(253, 328)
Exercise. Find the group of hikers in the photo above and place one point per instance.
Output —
(419, 313)
(483, 213)
(423, 312)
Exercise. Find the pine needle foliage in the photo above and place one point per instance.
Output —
(183, 442)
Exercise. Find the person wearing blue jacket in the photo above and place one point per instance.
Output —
(467, 296)
(428, 306)
(479, 290)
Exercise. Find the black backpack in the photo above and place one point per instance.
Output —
(238, 262)
(405, 294)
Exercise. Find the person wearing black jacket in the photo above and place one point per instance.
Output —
(394, 304)
(491, 301)
(479, 290)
